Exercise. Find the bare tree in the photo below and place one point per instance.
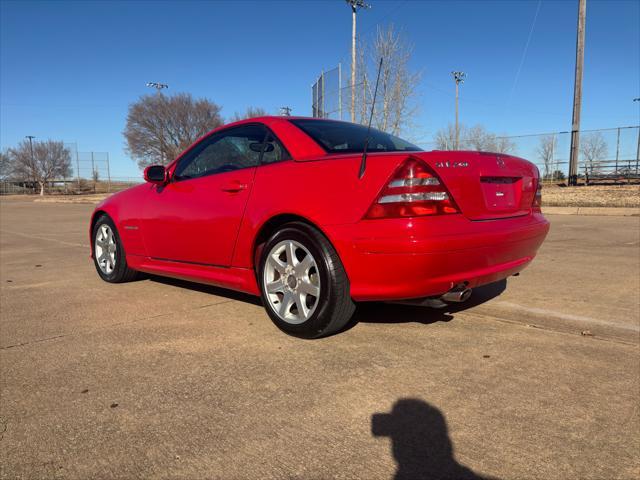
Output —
(478, 138)
(160, 127)
(594, 149)
(474, 138)
(49, 160)
(251, 112)
(6, 168)
(446, 137)
(546, 150)
(504, 145)
(396, 105)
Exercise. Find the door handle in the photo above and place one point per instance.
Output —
(234, 187)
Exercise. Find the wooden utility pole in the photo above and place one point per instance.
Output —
(577, 95)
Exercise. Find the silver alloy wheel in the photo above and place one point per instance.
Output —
(291, 281)
(105, 249)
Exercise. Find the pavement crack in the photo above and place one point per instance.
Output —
(106, 327)
(48, 239)
(40, 340)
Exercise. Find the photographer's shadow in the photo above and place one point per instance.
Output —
(420, 442)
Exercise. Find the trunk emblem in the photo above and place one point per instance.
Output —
(499, 194)
(500, 162)
(448, 164)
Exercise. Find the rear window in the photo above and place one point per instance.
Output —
(343, 137)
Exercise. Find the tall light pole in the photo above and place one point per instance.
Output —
(355, 6)
(458, 77)
(285, 111)
(577, 95)
(31, 137)
(159, 87)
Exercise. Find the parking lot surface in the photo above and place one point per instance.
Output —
(167, 379)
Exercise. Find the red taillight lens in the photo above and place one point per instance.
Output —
(414, 190)
(537, 199)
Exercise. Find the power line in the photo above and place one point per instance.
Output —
(524, 53)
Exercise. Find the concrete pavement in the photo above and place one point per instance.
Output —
(167, 379)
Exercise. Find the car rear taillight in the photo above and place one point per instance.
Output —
(537, 199)
(414, 190)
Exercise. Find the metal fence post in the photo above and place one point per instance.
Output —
(553, 152)
(108, 175)
(78, 167)
(617, 151)
(340, 90)
(93, 173)
(323, 106)
(638, 151)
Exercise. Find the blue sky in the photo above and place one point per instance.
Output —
(69, 70)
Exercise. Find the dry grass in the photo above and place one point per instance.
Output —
(552, 196)
(93, 198)
(592, 196)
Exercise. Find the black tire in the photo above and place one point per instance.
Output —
(335, 307)
(121, 273)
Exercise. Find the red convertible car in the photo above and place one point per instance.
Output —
(281, 207)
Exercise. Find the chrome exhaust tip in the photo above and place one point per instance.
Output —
(456, 295)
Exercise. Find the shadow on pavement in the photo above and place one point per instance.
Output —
(204, 288)
(376, 312)
(420, 442)
(366, 312)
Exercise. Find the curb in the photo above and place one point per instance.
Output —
(600, 211)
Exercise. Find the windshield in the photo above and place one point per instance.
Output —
(343, 137)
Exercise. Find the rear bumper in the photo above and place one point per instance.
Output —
(412, 258)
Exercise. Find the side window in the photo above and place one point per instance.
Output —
(224, 152)
(274, 151)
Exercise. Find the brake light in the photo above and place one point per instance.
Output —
(414, 190)
(537, 199)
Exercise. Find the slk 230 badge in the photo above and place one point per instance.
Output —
(448, 164)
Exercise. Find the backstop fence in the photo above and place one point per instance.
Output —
(90, 173)
(605, 155)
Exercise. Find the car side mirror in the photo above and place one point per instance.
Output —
(156, 174)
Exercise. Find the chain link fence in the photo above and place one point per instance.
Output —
(90, 173)
(331, 96)
(605, 155)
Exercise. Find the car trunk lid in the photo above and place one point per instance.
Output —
(486, 186)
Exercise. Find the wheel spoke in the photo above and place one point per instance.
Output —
(277, 264)
(309, 288)
(274, 287)
(303, 267)
(291, 254)
(285, 306)
(303, 311)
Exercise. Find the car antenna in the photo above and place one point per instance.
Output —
(363, 163)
